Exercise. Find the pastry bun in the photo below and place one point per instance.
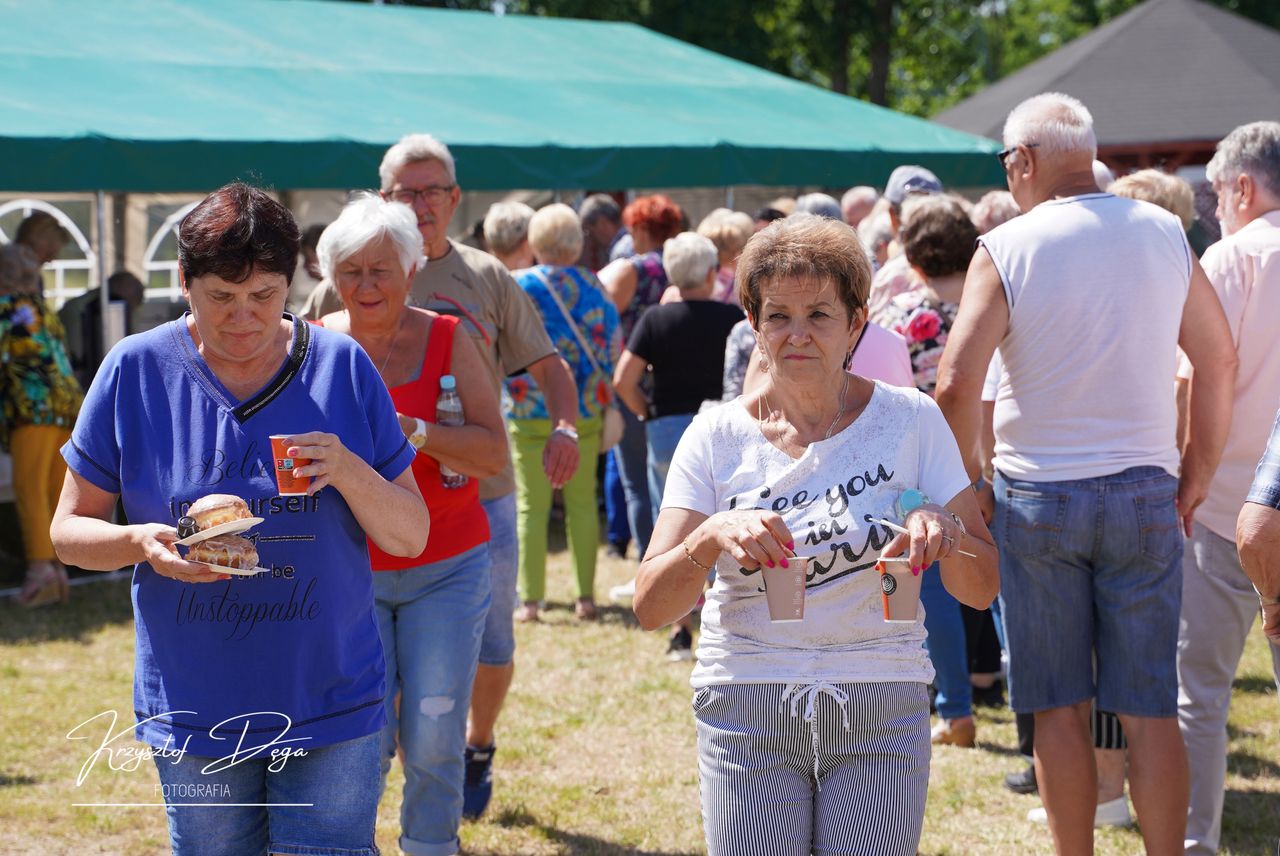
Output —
(230, 551)
(218, 508)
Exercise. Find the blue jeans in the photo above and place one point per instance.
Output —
(662, 434)
(498, 645)
(431, 618)
(337, 785)
(1089, 568)
(946, 646)
(630, 454)
(615, 502)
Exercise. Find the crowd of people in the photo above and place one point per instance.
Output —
(1044, 395)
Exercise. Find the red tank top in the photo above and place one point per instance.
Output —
(458, 520)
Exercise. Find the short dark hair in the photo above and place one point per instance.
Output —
(937, 235)
(809, 248)
(768, 215)
(236, 230)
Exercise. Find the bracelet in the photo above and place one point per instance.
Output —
(979, 484)
(571, 433)
(688, 555)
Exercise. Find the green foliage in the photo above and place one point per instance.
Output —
(917, 56)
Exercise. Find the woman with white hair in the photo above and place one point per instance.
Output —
(683, 343)
(583, 324)
(430, 607)
(506, 232)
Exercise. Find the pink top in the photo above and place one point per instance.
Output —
(882, 355)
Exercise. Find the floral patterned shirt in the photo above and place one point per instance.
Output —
(924, 322)
(651, 282)
(37, 386)
(597, 320)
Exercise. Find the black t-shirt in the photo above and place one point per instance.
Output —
(684, 343)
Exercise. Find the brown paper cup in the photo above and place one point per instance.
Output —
(900, 590)
(287, 484)
(784, 589)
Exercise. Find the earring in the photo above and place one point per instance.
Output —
(764, 362)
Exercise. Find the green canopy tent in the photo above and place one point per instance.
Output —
(185, 95)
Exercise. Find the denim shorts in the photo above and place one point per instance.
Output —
(323, 804)
(498, 645)
(1091, 589)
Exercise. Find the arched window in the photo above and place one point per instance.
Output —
(160, 262)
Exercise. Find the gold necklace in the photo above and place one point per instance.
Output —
(764, 403)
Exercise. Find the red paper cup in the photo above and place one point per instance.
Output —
(900, 590)
(784, 589)
(288, 484)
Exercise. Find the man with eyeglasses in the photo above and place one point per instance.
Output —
(1088, 296)
(507, 328)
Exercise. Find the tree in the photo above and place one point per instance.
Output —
(917, 56)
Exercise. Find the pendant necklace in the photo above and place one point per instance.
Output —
(764, 404)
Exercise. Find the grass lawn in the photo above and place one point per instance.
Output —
(596, 746)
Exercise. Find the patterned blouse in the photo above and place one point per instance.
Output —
(651, 281)
(597, 320)
(37, 386)
(924, 322)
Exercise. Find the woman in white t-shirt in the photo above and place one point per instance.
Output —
(812, 734)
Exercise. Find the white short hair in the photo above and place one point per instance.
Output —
(875, 231)
(555, 234)
(1056, 123)
(861, 193)
(412, 149)
(1252, 150)
(995, 207)
(365, 220)
(729, 230)
(819, 203)
(687, 258)
(506, 225)
(1102, 174)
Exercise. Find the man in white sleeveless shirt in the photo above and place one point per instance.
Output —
(1219, 604)
(1088, 296)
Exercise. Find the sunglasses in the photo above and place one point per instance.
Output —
(1004, 153)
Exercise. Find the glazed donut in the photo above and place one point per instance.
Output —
(216, 509)
(229, 551)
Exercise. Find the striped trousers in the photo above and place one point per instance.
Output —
(813, 768)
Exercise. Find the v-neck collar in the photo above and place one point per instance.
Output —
(242, 411)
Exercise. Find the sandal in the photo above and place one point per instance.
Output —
(46, 583)
(527, 612)
(585, 609)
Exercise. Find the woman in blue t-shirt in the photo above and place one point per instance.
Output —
(280, 672)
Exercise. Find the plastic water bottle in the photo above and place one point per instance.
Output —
(449, 412)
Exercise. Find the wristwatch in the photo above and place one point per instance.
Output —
(571, 433)
(418, 438)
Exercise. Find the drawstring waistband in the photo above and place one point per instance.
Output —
(809, 694)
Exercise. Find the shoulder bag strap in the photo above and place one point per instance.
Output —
(572, 326)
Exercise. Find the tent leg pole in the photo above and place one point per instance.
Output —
(104, 294)
(728, 197)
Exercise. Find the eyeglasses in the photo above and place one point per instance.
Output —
(432, 195)
(1004, 153)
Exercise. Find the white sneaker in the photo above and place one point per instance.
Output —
(623, 593)
(1113, 813)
